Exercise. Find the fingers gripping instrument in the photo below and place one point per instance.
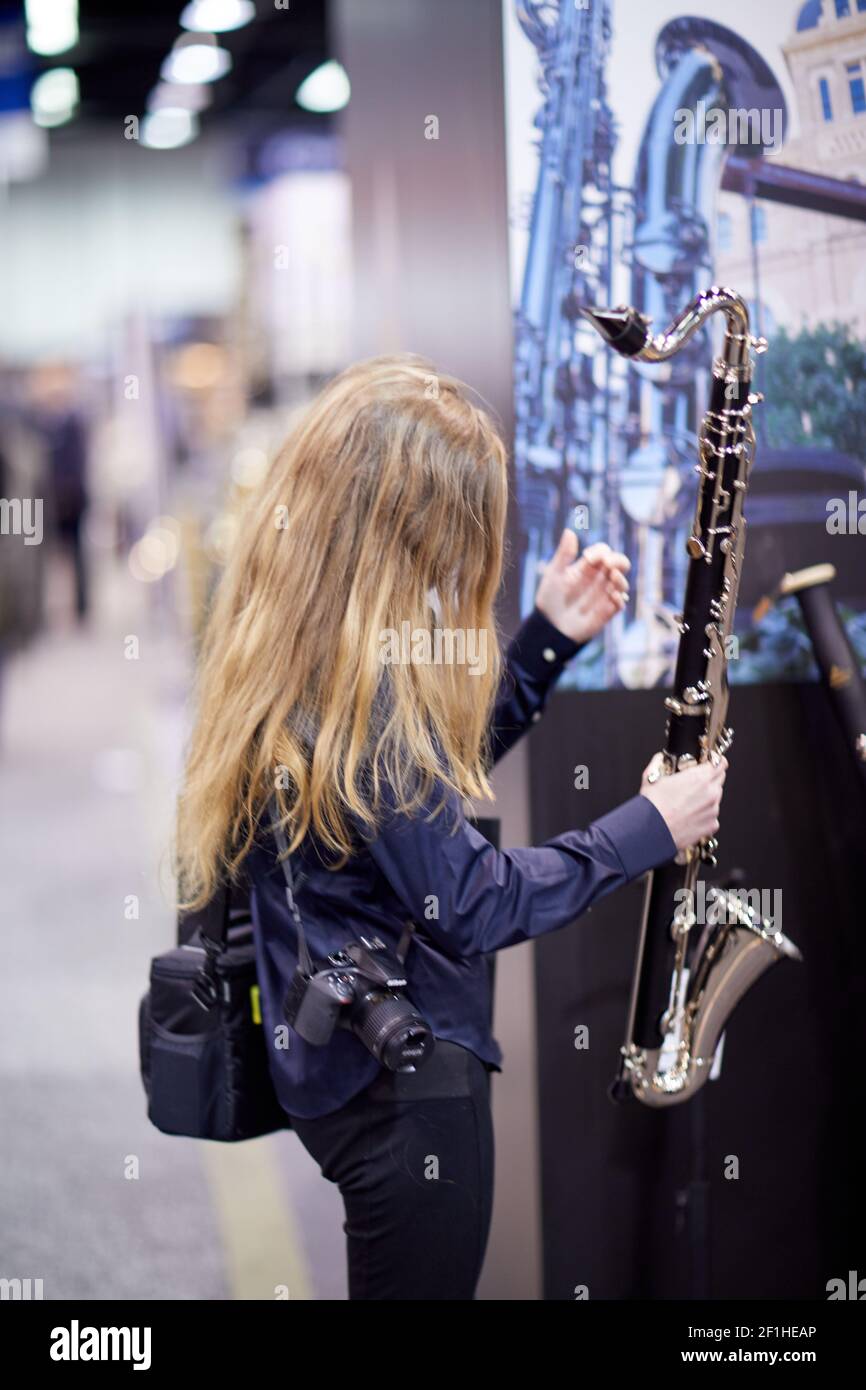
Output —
(683, 992)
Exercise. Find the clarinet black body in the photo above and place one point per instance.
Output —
(686, 736)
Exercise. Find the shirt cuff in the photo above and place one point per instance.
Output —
(639, 834)
(540, 648)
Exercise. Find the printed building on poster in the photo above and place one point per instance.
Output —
(811, 266)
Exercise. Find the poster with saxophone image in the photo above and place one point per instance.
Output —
(652, 154)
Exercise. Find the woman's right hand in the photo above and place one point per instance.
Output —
(688, 801)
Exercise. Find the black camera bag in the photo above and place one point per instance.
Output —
(203, 1049)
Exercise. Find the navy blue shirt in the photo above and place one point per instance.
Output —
(466, 898)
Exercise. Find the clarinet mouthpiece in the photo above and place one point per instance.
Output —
(625, 330)
(794, 584)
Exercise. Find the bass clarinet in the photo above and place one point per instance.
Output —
(683, 992)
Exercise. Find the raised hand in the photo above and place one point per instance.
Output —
(580, 595)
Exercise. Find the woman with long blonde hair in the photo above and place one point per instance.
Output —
(352, 697)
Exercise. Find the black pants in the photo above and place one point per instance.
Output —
(413, 1159)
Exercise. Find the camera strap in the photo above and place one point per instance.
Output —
(405, 942)
(305, 960)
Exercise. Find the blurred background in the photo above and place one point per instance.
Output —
(176, 283)
(207, 210)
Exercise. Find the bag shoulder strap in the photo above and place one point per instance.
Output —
(211, 924)
(210, 921)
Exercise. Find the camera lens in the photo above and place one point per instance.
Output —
(393, 1031)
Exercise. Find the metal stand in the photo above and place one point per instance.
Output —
(693, 1203)
(693, 1209)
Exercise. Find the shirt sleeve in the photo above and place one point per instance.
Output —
(534, 661)
(470, 898)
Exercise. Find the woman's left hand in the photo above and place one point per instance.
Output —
(580, 595)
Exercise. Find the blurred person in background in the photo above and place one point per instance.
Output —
(22, 475)
(387, 507)
(54, 401)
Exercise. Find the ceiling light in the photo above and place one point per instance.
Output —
(169, 128)
(196, 58)
(217, 16)
(52, 25)
(326, 89)
(54, 96)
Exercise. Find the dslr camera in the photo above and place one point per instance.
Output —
(360, 987)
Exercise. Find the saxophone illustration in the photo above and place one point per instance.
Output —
(618, 439)
(683, 993)
(562, 451)
(670, 254)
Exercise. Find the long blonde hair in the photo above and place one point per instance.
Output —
(392, 489)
